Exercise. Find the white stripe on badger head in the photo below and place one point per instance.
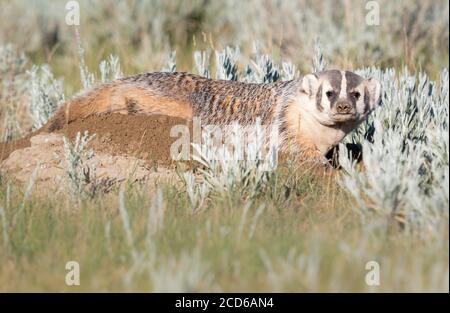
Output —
(343, 93)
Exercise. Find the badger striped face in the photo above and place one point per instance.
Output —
(340, 96)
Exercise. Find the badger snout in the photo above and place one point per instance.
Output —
(344, 107)
(343, 111)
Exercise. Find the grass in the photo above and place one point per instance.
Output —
(301, 242)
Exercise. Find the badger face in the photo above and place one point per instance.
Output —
(340, 97)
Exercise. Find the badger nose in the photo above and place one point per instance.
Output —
(343, 107)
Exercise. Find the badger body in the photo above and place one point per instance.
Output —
(311, 113)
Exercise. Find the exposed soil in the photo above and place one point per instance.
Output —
(122, 143)
(140, 136)
(6, 148)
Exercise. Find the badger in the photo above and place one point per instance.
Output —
(311, 114)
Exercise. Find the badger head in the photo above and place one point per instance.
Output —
(339, 97)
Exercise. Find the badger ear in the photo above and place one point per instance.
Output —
(374, 89)
(310, 83)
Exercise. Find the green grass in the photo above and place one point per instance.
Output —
(307, 239)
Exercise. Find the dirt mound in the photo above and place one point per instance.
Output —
(6, 148)
(122, 143)
(46, 156)
(141, 136)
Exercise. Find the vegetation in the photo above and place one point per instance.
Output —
(233, 226)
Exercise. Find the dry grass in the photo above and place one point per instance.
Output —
(302, 241)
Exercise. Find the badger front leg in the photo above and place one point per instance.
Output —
(304, 151)
(314, 155)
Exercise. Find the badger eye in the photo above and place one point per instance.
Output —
(356, 95)
(330, 94)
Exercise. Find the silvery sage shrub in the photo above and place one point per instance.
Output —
(319, 63)
(12, 90)
(79, 171)
(201, 60)
(171, 63)
(262, 68)
(197, 192)
(110, 69)
(240, 166)
(405, 150)
(46, 94)
(226, 63)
